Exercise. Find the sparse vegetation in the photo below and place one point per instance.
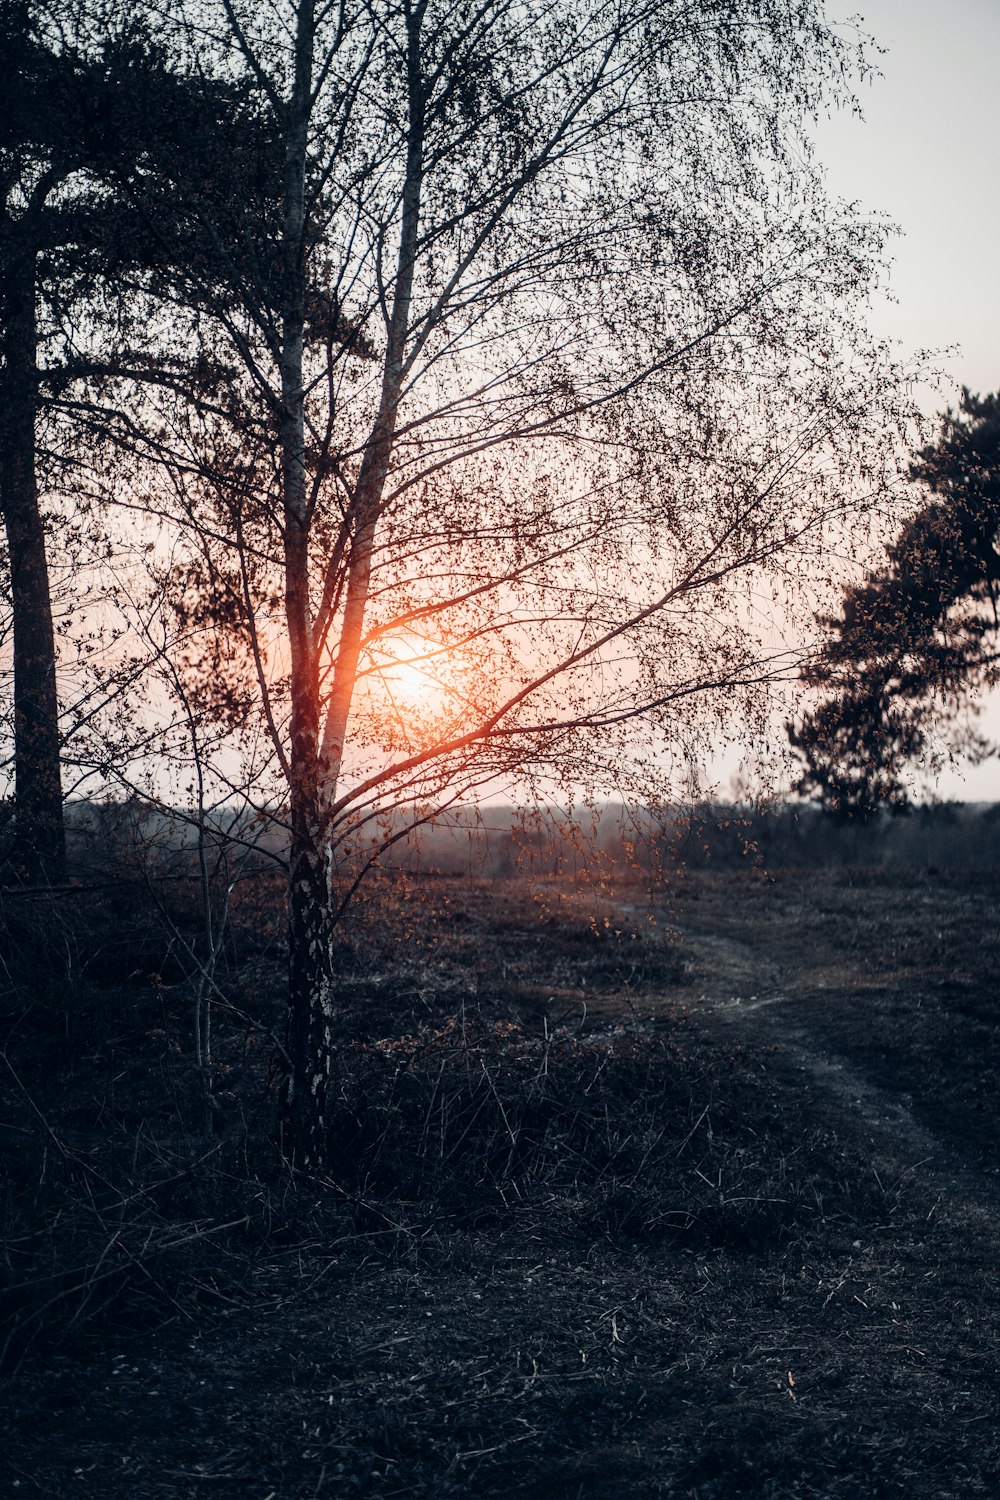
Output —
(580, 1236)
(406, 406)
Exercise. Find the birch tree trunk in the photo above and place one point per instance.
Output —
(317, 753)
(309, 902)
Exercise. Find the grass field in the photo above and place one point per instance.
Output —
(687, 1196)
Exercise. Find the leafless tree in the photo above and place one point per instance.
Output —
(536, 379)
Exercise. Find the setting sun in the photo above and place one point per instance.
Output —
(408, 678)
(414, 679)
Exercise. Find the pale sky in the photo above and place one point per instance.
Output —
(928, 154)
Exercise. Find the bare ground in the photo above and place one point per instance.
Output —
(749, 1252)
(882, 991)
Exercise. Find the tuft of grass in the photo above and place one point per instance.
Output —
(638, 1135)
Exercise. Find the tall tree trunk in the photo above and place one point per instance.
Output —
(310, 1003)
(310, 894)
(40, 840)
(310, 992)
(315, 766)
(378, 450)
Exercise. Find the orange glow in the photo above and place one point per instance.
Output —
(409, 683)
(410, 676)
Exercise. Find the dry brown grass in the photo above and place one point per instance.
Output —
(576, 1241)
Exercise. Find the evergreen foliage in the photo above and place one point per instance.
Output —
(916, 640)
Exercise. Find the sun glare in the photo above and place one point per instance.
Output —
(411, 677)
(410, 682)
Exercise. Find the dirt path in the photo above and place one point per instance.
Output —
(762, 1000)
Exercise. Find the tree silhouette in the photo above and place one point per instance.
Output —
(549, 354)
(919, 637)
(74, 94)
(39, 152)
(90, 113)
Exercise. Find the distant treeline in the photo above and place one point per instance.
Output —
(500, 842)
(946, 835)
(711, 836)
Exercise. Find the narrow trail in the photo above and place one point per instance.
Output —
(762, 1004)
